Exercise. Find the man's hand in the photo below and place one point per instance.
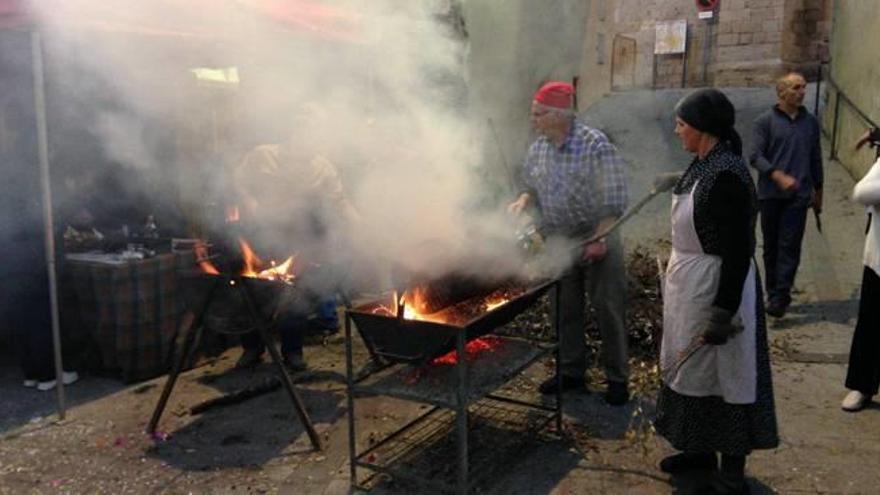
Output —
(518, 206)
(595, 251)
(816, 202)
(785, 182)
(665, 182)
(718, 329)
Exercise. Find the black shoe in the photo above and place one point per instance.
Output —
(550, 385)
(713, 489)
(689, 461)
(295, 362)
(249, 358)
(776, 309)
(617, 393)
(320, 326)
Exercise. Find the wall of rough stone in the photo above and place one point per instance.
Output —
(806, 30)
(747, 43)
(748, 49)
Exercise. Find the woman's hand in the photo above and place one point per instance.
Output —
(595, 251)
(719, 329)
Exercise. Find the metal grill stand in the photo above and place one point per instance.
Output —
(261, 325)
(467, 395)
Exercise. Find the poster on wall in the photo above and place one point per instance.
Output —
(670, 37)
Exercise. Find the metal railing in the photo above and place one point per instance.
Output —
(840, 97)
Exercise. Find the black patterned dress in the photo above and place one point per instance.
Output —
(713, 404)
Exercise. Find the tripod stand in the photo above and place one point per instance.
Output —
(261, 324)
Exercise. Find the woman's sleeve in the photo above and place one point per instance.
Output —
(731, 210)
(867, 190)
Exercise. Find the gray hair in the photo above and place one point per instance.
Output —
(559, 112)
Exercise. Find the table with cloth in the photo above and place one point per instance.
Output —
(129, 308)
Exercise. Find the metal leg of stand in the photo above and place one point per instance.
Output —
(461, 413)
(279, 364)
(557, 316)
(182, 353)
(291, 390)
(349, 378)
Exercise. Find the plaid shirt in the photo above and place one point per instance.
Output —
(577, 184)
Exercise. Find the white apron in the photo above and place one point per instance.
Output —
(690, 285)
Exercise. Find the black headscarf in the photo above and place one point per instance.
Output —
(708, 110)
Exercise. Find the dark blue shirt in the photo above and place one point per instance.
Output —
(789, 145)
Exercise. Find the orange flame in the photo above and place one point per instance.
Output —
(415, 304)
(253, 265)
(251, 261)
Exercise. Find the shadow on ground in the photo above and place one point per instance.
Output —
(692, 483)
(494, 468)
(839, 311)
(21, 405)
(249, 433)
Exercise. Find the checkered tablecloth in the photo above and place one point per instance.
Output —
(131, 310)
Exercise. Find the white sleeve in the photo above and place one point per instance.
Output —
(867, 190)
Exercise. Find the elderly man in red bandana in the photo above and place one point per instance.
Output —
(575, 176)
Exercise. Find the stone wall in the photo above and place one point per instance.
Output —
(746, 43)
(748, 47)
(806, 30)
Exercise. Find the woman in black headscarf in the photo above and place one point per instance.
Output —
(717, 393)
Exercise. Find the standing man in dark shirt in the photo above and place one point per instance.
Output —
(788, 157)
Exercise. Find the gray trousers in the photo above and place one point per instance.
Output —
(605, 282)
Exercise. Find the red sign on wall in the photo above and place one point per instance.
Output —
(706, 5)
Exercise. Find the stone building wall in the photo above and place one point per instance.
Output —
(746, 43)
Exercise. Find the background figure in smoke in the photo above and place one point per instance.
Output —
(33, 328)
(292, 200)
(575, 175)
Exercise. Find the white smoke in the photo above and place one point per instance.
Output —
(387, 77)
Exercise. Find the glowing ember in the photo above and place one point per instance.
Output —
(495, 302)
(472, 350)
